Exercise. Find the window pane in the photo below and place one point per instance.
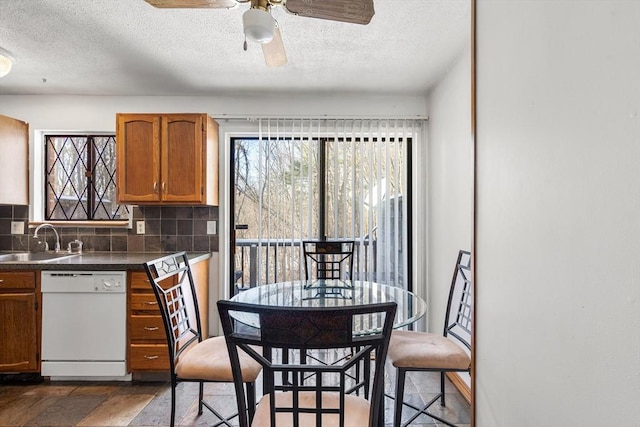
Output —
(364, 202)
(80, 173)
(104, 185)
(66, 180)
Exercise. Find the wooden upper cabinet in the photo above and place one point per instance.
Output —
(167, 159)
(14, 161)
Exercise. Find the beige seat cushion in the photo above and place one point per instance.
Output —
(409, 349)
(356, 410)
(209, 360)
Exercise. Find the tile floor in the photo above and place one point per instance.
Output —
(144, 404)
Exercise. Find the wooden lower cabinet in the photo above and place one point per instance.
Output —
(147, 338)
(20, 302)
(148, 350)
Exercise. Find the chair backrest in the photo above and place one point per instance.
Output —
(328, 259)
(293, 332)
(457, 324)
(173, 286)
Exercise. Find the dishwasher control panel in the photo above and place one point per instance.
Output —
(84, 281)
(108, 284)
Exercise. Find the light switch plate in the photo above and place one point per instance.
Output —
(140, 227)
(17, 227)
(212, 227)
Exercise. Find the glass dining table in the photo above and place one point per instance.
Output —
(335, 293)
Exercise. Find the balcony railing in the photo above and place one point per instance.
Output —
(259, 262)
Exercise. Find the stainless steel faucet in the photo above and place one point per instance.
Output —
(46, 245)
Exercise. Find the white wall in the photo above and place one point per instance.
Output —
(450, 183)
(558, 213)
(93, 112)
(450, 178)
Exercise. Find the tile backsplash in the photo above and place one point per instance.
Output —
(167, 228)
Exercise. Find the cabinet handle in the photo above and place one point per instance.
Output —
(155, 186)
(164, 187)
(151, 328)
(1, 280)
(150, 357)
(151, 302)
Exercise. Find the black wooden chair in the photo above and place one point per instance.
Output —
(328, 259)
(420, 351)
(192, 357)
(291, 397)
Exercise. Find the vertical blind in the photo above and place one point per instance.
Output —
(334, 179)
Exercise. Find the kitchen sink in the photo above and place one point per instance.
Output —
(34, 256)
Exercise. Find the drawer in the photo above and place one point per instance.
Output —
(139, 280)
(145, 302)
(17, 280)
(146, 328)
(148, 357)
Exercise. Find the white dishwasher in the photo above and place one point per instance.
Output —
(84, 332)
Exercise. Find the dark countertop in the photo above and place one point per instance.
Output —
(100, 261)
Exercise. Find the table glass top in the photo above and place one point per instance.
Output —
(335, 293)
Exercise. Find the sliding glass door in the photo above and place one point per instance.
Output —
(322, 179)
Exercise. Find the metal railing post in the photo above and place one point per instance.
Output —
(253, 265)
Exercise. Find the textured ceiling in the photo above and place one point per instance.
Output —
(127, 47)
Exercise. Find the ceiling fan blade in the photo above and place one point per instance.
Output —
(353, 11)
(274, 54)
(193, 4)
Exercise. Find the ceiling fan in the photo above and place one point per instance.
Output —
(260, 27)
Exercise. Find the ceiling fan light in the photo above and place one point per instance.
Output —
(6, 62)
(258, 25)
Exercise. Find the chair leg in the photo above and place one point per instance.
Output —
(400, 403)
(285, 360)
(358, 375)
(173, 402)
(366, 376)
(400, 379)
(200, 397)
(251, 401)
